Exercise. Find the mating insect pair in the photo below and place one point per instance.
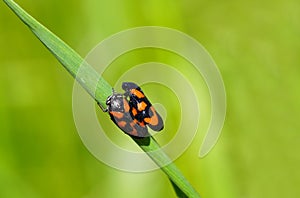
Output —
(132, 112)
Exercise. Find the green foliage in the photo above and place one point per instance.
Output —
(256, 47)
(88, 76)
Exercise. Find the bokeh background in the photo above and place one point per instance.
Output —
(256, 46)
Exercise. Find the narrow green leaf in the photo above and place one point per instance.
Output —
(90, 80)
(87, 77)
(174, 174)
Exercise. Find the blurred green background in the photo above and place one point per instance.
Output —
(256, 46)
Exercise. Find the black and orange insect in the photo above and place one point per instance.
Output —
(140, 107)
(119, 111)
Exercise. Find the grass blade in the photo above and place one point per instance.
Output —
(66, 56)
(72, 61)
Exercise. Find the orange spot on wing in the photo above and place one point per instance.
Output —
(126, 105)
(154, 119)
(139, 123)
(134, 112)
(122, 124)
(142, 106)
(137, 93)
(134, 131)
(147, 120)
(116, 114)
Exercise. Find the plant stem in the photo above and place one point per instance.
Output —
(160, 158)
(90, 80)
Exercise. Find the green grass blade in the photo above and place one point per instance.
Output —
(181, 185)
(72, 61)
(66, 56)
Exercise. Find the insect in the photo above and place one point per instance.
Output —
(118, 109)
(140, 107)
